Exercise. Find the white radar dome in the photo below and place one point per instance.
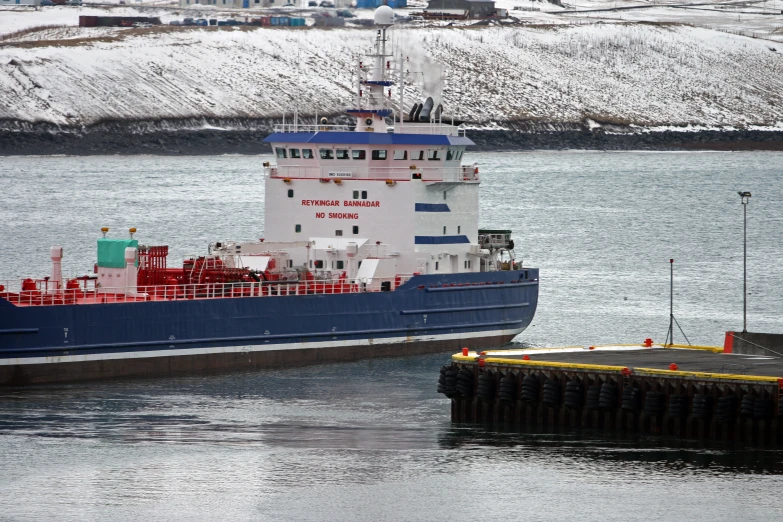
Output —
(384, 15)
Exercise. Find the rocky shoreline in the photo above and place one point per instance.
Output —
(137, 138)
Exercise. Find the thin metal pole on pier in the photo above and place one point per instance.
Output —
(745, 196)
(672, 319)
(670, 335)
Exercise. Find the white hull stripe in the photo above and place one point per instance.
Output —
(265, 347)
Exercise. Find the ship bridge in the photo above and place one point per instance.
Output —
(341, 154)
(386, 198)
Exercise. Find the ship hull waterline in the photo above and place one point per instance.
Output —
(181, 365)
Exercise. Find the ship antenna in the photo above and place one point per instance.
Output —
(298, 77)
(402, 93)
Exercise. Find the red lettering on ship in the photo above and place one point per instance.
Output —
(361, 203)
(320, 203)
(337, 215)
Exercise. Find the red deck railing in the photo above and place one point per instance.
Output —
(43, 292)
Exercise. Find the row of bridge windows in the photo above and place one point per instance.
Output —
(377, 154)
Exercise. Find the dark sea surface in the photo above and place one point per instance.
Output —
(372, 440)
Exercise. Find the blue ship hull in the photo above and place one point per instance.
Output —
(428, 313)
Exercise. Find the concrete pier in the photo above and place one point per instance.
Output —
(689, 393)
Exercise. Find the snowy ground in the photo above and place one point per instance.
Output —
(559, 67)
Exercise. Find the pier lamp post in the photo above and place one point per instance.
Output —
(745, 196)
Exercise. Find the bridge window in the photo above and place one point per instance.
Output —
(290, 193)
(400, 154)
(459, 227)
(327, 154)
(355, 194)
(356, 229)
(338, 233)
(342, 154)
(449, 155)
(364, 194)
(297, 228)
(379, 154)
(340, 264)
(294, 153)
(359, 154)
(436, 265)
(432, 155)
(444, 230)
(319, 263)
(280, 151)
(307, 153)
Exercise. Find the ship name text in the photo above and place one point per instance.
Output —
(336, 203)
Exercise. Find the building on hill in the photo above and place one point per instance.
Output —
(20, 2)
(450, 9)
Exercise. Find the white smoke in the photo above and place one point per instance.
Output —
(426, 74)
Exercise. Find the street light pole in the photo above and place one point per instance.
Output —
(745, 196)
(670, 335)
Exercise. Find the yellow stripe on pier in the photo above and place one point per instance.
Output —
(490, 358)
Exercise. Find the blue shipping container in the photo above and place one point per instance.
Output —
(297, 22)
(368, 4)
(394, 4)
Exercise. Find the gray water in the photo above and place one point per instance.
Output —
(372, 440)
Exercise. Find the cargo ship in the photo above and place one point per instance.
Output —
(371, 248)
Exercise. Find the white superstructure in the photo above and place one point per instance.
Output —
(369, 201)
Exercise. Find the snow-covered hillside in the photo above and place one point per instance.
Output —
(644, 74)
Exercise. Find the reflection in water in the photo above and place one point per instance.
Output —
(612, 449)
